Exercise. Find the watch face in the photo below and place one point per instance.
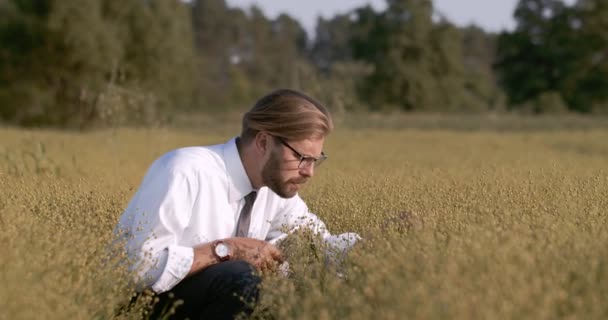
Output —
(221, 250)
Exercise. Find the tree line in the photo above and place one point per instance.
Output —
(81, 62)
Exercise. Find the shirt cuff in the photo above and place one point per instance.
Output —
(275, 241)
(339, 245)
(179, 262)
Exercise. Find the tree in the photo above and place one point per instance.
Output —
(398, 52)
(161, 52)
(56, 73)
(66, 59)
(589, 87)
(23, 36)
(479, 54)
(339, 75)
(541, 55)
(332, 42)
(244, 55)
(417, 63)
(212, 35)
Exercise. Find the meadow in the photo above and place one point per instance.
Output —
(459, 222)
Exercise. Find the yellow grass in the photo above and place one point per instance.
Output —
(458, 225)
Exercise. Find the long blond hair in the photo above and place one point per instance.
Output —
(287, 114)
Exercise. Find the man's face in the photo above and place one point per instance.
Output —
(283, 172)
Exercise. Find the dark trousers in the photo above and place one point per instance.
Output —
(220, 291)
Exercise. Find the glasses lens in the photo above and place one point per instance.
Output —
(322, 158)
(306, 162)
(310, 161)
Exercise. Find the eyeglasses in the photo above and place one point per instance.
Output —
(305, 161)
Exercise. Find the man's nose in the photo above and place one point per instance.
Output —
(307, 170)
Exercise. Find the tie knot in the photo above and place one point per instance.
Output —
(251, 197)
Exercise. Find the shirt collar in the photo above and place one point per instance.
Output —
(239, 183)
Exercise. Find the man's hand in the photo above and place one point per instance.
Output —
(261, 254)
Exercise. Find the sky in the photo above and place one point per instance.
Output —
(492, 15)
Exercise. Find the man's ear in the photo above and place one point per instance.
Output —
(262, 143)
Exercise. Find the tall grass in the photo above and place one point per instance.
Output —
(457, 225)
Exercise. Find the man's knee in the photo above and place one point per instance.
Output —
(239, 277)
(231, 286)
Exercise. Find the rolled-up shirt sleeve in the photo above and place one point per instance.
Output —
(152, 224)
(295, 215)
(178, 260)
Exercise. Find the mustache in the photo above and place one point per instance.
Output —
(298, 181)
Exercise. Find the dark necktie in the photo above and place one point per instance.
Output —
(242, 227)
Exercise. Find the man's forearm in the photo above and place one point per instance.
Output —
(259, 253)
(203, 257)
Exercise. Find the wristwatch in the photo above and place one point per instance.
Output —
(221, 250)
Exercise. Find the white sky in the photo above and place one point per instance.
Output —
(492, 15)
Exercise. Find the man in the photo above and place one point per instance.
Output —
(206, 219)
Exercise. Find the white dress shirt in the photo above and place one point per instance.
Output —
(192, 196)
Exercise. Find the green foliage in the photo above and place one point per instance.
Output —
(70, 52)
(556, 48)
(479, 51)
(161, 54)
(417, 64)
(590, 87)
(332, 42)
(550, 102)
(536, 57)
(243, 56)
(87, 63)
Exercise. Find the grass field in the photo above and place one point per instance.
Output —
(458, 224)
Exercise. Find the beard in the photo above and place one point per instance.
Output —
(271, 177)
